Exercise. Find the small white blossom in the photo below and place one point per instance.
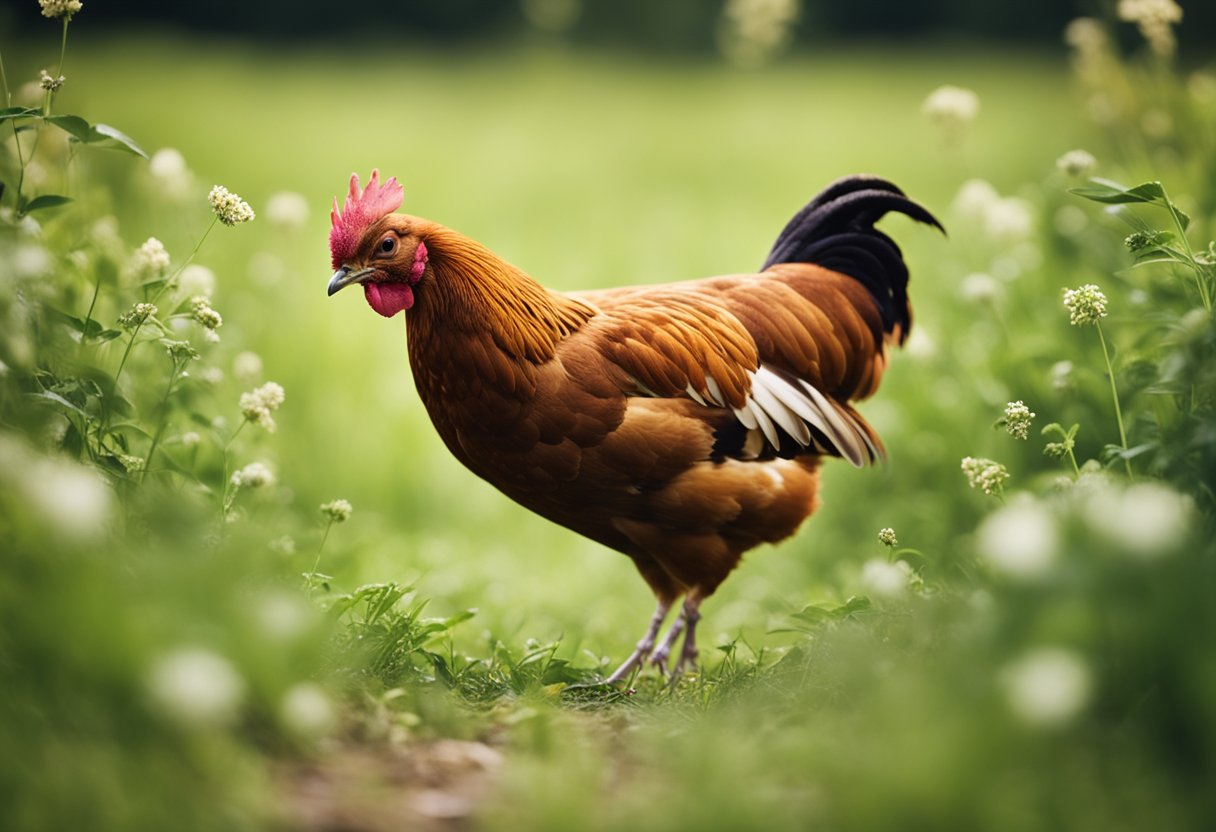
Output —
(180, 351)
(149, 260)
(888, 580)
(1077, 164)
(986, 475)
(1009, 219)
(253, 475)
(1020, 541)
(283, 616)
(247, 366)
(201, 311)
(337, 511)
(60, 8)
(73, 501)
(196, 280)
(1086, 305)
(191, 439)
(981, 288)
(887, 537)
(284, 545)
(168, 164)
(1062, 375)
(1085, 34)
(212, 376)
(229, 207)
(752, 31)
(258, 404)
(1155, 19)
(1048, 686)
(951, 106)
(1145, 519)
(307, 711)
(287, 209)
(49, 82)
(196, 686)
(974, 197)
(140, 312)
(1018, 418)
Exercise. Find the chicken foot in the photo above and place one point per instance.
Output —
(690, 614)
(644, 647)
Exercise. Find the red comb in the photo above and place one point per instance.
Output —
(361, 209)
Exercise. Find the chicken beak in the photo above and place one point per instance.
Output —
(344, 277)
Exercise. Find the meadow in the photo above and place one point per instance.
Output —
(183, 649)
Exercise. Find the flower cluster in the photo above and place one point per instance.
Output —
(150, 259)
(887, 537)
(253, 475)
(337, 511)
(230, 208)
(1017, 419)
(1086, 305)
(287, 209)
(986, 475)
(951, 107)
(201, 311)
(60, 8)
(259, 403)
(180, 351)
(133, 320)
(1077, 163)
(49, 82)
(752, 31)
(1154, 18)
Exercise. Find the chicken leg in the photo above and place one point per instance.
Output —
(645, 646)
(686, 623)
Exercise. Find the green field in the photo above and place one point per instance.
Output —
(900, 711)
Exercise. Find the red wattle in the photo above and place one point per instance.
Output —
(388, 298)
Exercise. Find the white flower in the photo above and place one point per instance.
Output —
(887, 580)
(73, 501)
(287, 209)
(1085, 34)
(196, 686)
(887, 537)
(283, 615)
(1154, 18)
(1086, 305)
(134, 319)
(149, 260)
(1009, 219)
(195, 281)
(253, 475)
(1145, 519)
(49, 82)
(284, 545)
(337, 511)
(1018, 418)
(951, 107)
(191, 439)
(230, 208)
(306, 710)
(1047, 686)
(1077, 163)
(168, 164)
(1062, 375)
(211, 375)
(247, 366)
(981, 288)
(1020, 540)
(974, 197)
(201, 311)
(752, 31)
(986, 475)
(60, 8)
(259, 403)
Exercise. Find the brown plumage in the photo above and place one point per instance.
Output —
(680, 424)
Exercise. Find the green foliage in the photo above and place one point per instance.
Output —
(1028, 659)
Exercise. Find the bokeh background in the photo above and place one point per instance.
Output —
(595, 144)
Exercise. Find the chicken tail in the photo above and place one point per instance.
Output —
(836, 230)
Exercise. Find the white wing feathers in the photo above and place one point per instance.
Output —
(781, 400)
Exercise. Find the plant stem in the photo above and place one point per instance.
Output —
(316, 564)
(225, 502)
(164, 417)
(63, 48)
(1200, 280)
(92, 305)
(1114, 393)
(8, 102)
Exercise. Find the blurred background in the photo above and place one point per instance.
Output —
(595, 144)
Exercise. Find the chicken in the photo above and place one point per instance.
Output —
(680, 424)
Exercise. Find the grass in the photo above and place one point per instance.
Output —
(824, 701)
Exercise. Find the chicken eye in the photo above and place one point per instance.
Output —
(388, 245)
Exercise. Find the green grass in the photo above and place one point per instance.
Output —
(592, 170)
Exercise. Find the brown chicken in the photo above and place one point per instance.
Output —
(680, 424)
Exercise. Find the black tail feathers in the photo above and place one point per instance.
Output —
(836, 230)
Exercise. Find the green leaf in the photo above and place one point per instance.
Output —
(64, 318)
(76, 126)
(106, 335)
(55, 398)
(103, 135)
(46, 201)
(18, 112)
